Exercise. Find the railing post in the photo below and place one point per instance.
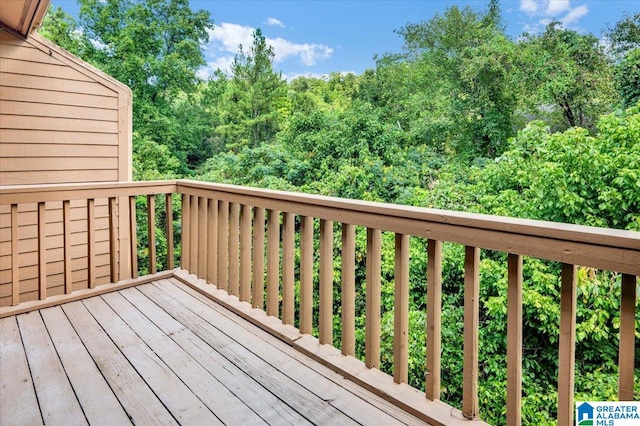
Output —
(273, 262)
(434, 322)
(626, 352)
(372, 339)
(258, 258)
(567, 350)
(401, 310)
(514, 340)
(186, 232)
(42, 251)
(288, 269)
(326, 282)
(348, 289)
(151, 229)
(471, 324)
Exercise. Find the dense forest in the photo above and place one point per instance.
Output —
(545, 126)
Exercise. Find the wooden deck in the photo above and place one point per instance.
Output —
(161, 353)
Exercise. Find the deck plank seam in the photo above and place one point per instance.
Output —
(239, 321)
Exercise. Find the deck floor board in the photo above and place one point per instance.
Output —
(161, 353)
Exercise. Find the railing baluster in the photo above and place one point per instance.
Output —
(169, 218)
(185, 232)
(91, 242)
(151, 229)
(66, 230)
(212, 243)
(15, 264)
(42, 252)
(326, 282)
(194, 254)
(471, 324)
(306, 274)
(567, 349)
(401, 310)
(372, 341)
(245, 253)
(273, 262)
(223, 245)
(258, 258)
(434, 323)
(113, 239)
(514, 340)
(626, 352)
(348, 289)
(133, 236)
(234, 249)
(203, 231)
(288, 269)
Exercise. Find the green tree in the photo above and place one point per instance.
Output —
(625, 35)
(250, 110)
(463, 63)
(60, 27)
(568, 74)
(624, 38)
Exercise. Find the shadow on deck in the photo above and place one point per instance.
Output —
(161, 353)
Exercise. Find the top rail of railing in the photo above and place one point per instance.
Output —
(602, 248)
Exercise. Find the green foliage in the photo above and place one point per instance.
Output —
(250, 114)
(568, 72)
(627, 78)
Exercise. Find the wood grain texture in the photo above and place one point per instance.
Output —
(514, 340)
(471, 332)
(434, 319)
(326, 282)
(567, 344)
(373, 310)
(627, 348)
(306, 274)
(56, 398)
(16, 386)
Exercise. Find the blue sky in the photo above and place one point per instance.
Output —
(318, 37)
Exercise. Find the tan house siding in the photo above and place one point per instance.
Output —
(61, 121)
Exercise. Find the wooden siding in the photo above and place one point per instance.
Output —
(61, 121)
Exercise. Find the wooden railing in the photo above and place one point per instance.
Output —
(225, 230)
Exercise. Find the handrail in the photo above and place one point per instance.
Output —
(602, 248)
(229, 231)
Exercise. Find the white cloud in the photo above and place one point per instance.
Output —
(309, 53)
(574, 15)
(529, 6)
(225, 38)
(557, 6)
(275, 22)
(544, 11)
